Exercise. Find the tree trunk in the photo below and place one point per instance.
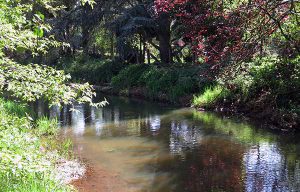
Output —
(112, 53)
(148, 56)
(85, 40)
(86, 26)
(164, 38)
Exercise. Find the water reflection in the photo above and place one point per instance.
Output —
(156, 148)
(266, 169)
(78, 120)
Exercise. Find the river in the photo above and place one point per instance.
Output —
(134, 145)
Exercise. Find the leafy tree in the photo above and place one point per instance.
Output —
(221, 30)
(22, 30)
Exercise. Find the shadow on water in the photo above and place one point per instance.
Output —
(159, 148)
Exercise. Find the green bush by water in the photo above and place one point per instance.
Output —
(129, 77)
(267, 86)
(20, 109)
(172, 81)
(268, 81)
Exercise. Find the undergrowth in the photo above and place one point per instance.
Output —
(46, 126)
(24, 166)
(266, 88)
(95, 71)
(174, 82)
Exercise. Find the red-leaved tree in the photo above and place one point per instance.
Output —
(220, 31)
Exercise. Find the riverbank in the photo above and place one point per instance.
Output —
(261, 90)
(264, 119)
(141, 93)
(32, 157)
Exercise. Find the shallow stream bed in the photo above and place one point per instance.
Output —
(133, 145)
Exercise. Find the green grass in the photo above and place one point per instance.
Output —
(46, 126)
(23, 165)
(173, 82)
(31, 183)
(18, 109)
(211, 96)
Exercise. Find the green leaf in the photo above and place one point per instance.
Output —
(38, 32)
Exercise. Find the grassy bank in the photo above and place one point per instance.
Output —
(27, 157)
(173, 84)
(265, 88)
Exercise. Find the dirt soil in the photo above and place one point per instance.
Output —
(98, 179)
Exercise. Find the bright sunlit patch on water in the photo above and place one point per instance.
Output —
(154, 123)
(182, 137)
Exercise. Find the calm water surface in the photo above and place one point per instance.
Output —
(160, 149)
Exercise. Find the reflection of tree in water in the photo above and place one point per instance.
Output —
(270, 161)
(214, 165)
(183, 137)
(267, 170)
(65, 116)
(200, 162)
(87, 114)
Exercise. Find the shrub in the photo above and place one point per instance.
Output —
(174, 82)
(129, 76)
(158, 80)
(94, 71)
(20, 109)
(268, 87)
(268, 81)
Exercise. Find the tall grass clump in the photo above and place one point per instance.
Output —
(46, 126)
(211, 96)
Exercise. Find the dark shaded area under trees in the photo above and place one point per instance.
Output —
(240, 56)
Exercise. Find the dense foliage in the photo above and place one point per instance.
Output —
(160, 83)
(95, 71)
(25, 165)
(239, 56)
(226, 30)
(22, 31)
